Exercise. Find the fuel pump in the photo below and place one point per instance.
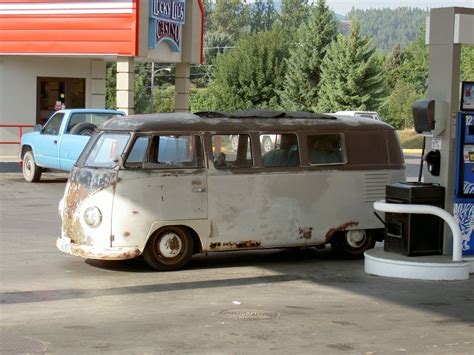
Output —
(464, 189)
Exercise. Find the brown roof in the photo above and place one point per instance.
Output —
(251, 120)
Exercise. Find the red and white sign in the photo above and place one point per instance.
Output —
(88, 27)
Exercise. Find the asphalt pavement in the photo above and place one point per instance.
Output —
(282, 301)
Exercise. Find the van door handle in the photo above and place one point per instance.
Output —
(55, 142)
(199, 189)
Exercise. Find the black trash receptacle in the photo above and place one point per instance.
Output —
(414, 234)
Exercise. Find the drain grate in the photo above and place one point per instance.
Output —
(248, 314)
(13, 344)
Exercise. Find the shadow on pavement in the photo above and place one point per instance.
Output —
(453, 300)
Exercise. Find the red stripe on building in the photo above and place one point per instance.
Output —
(70, 33)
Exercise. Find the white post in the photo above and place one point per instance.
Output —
(125, 85)
(182, 85)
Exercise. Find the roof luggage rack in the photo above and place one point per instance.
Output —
(264, 114)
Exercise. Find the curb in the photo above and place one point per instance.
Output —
(10, 167)
(411, 151)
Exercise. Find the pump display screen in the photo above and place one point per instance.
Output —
(471, 157)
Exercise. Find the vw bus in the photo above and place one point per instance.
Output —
(167, 186)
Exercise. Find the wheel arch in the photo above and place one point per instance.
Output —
(25, 148)
(196, 228)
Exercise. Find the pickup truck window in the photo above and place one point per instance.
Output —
(94, 118)
(106, 150)
(53, 125)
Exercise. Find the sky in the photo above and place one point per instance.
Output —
(342, 7)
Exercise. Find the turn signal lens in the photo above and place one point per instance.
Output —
(93, 217)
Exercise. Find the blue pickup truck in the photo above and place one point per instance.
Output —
(58, 144)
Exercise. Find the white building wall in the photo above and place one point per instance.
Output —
(18, 89)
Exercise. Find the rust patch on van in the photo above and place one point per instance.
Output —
(342, 227)
(195, 182)
(236, 245)
(173, 244)
(135, 212)
(126, 234)
(83, 183)
(93, 253)
(305, 233)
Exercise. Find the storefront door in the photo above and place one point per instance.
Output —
(56, 93)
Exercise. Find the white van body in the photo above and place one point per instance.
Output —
(121, 210)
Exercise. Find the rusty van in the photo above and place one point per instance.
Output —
(167, 186)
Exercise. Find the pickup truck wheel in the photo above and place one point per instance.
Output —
(169, 249)
(83, 129)
(31, 171)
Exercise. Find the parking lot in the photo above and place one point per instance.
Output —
(298, 301)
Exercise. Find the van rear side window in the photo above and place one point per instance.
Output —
(325, 149)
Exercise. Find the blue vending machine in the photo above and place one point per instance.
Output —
(464, 198)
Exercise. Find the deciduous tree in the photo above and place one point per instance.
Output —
(249, 75)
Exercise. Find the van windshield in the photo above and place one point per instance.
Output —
(106, 150)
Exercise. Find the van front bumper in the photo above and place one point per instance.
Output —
(91, 252)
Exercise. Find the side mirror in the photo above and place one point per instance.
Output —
(38, 128)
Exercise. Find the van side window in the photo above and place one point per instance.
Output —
(231, 151)
(325, 149)
(285, 152)
(166, 152)
(138, 152)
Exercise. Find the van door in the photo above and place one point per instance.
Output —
(167, 187)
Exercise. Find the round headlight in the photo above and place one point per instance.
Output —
(92, 216)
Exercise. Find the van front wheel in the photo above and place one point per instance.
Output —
(169, 249)
(353, 243)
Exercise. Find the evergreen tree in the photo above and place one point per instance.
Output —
(392, 63)
(111, 86)
(397, 109)
(216, 43)
(249, 75)
(231, 16)
(262, 16)
(413, 68)
(293, 14)
(390, 26)
(304, 65)
(351, 75)
(142, 87)
(208, 25)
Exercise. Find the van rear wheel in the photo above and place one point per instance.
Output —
(353, 243)
(169, 249)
